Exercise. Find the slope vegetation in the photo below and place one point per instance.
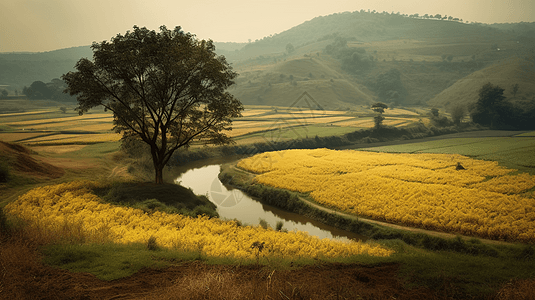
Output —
(505, 74)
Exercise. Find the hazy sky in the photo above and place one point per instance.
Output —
(44, 25)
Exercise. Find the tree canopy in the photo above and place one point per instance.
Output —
(166, 88)
(491, 108)
(379, 108)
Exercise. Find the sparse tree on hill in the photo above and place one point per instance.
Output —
(457, 114)
(166, 88)
(4, 94)
(379, 108)
(290, 48)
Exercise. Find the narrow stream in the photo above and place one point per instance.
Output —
(234, 204)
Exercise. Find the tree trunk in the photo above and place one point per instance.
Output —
(158, 166)
(159, 174)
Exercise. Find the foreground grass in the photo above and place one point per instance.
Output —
(453, 274)
(460, 275)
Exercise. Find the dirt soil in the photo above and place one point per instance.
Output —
(22, 160)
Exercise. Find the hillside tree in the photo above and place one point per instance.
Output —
(290, 48)
(491, 108)
(457, 113)
(379, 108)
(37, 90)
(166, 88)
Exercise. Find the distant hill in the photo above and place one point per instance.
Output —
(21, 69)
(428, 55)
(282, 83)
(505, 74)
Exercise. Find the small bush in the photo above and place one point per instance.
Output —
(264, 224)
(279, 225)
(151, 243)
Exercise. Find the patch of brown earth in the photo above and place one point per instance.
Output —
(21, 160)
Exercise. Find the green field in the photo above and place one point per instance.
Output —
(512, 151)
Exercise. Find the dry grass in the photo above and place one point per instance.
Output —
(399, 111)
(517, 289)
(241, 124)
(74, 138)
(87, 117)
(25, 113)
(243, 131)
(254, 112)
(59, 149)
(17, 136)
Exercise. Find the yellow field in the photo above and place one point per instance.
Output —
(17, 136)
(399, 111)
(254, 112)
(50, 124)
(72, 207)
(88, 117)
(423, 190)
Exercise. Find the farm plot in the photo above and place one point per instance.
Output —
(424, 190)
(71, 208)
(514, 152)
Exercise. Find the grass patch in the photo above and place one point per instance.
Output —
(512, 152)
(457, 275)
(110, 261)
(150, 197)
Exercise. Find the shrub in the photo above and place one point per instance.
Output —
(151, 243)
(279, 225)
(264, 224)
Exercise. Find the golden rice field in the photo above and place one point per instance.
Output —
(52, 127)
(73, 207)
(422, 190)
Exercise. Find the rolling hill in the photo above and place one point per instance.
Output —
(505, 74)
(430, 59)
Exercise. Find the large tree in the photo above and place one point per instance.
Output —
(166, 88)
(492, 108)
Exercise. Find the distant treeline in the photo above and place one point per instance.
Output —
(494, 110)
(52, 91)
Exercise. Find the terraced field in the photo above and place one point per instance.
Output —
(259, 123)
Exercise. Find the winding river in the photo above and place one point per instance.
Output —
(234, 204)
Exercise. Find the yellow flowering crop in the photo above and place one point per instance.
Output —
(423, 190)
(73, 203)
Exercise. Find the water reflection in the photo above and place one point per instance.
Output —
(234, 204)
